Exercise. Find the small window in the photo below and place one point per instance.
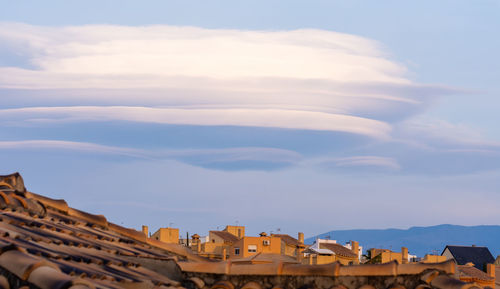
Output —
(236, 251)
(252, 248)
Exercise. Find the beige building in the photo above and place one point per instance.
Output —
(218, 242)
(386, 255)
(166, 235)
(232, 243)
(428, 258)
(238, 231)
(328, 251)
(248, 246)
(291, 246)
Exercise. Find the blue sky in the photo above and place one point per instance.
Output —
(299, 115)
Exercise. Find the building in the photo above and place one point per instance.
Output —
(232, 243)
(429, 258)
(386, 255)
(217, 244)
(238, 231)
(348, 245)
(248, 246)
(479, 256)
(328, 251)
(166, 235)
(291, 246)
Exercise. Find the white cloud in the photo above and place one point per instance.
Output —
(188, 51)
(193, 156)
(361, 161)
(301, 79)
(69, 145)
(278, 118)
(440, 133)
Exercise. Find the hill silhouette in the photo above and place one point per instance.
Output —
(420, 240)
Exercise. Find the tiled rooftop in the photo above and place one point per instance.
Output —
(338, 249)
(226, 236)
(46, 243)
(473, 272)
(289, 240)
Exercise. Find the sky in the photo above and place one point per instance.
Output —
(282, 116)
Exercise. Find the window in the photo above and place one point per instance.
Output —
(236, 251)
(252, 248)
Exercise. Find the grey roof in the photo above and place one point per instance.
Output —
(480, 256)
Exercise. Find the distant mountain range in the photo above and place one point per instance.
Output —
(420, 240)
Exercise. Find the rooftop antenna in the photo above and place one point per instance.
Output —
(278, 230)
(170, 224)
(237, 223)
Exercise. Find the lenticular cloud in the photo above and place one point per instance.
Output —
(302, 79)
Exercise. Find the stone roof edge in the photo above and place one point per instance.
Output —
(332, 269)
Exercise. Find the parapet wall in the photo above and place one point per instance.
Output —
(226, 275)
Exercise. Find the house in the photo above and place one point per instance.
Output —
(289, 245)
(348, 245)
(479, 256)
(217, 245)
(385, 256)
(166, 235)
(248, 246)
(328, 251)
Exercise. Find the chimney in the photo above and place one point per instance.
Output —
(145, 230)
(301, 238)
(490, 270)
(355, 250)
(195, 243)
(404, 255)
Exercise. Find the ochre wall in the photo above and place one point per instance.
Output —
(326, 259)
(273, 247)
(288, 250)
(167, 235)
(238, 231)
(433, 258)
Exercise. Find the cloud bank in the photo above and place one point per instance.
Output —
(301, 79)
(342, 93)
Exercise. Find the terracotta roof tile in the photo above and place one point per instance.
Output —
(338, 249)
(226, 236)
(49, 244)
(289, 240)
(473, 272)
